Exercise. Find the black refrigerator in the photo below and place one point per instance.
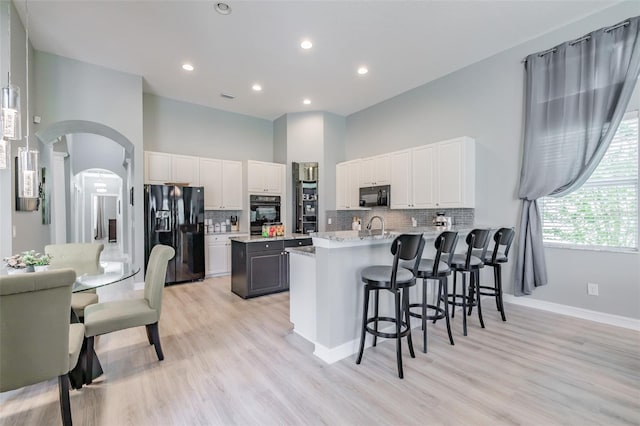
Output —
(174, 216)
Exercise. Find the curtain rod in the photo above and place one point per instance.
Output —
(579, 40)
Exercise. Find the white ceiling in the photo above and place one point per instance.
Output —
(404, 43)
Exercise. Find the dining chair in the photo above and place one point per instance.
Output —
(397, 280)
(84, 258)
(107, 317)
(37, 343)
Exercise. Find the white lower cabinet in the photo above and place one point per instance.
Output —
(217, 254)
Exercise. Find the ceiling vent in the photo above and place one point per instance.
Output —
(227, 96)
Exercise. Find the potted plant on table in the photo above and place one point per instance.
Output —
(28, 261)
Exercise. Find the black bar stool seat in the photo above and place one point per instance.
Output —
(396, 280)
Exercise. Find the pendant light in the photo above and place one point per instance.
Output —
(27, 158)
(10, 100)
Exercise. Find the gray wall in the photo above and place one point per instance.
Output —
(334, 152)
(96, 152)
(183, 128)
(485, 101)
(72, 90)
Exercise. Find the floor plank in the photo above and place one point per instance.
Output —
(234, 361)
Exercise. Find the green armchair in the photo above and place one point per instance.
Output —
(37, 342)
(102, 318)
(84, 258)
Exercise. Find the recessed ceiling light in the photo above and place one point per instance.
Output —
(101, 190)
(223, 8)
(100, 185)
(256, 87)
(307, 101)
(363, 70)
(187, 67)
(306, 44)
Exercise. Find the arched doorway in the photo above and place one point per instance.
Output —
(75, 146)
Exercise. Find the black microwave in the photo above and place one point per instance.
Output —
(375, 196)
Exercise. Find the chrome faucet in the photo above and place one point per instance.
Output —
(371, 221)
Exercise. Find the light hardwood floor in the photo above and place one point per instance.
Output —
(234, 361)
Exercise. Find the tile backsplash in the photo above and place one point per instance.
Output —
(341, 219)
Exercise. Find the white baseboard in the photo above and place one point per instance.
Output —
(617, 320)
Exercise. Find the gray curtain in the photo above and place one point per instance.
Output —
(99, 217)
(576, 96)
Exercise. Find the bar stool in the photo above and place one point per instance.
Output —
(395, 280)
(477, 240)
(437, 270)
(502, 238)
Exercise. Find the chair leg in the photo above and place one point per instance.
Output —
(495, 287)
(443, 284)
(424, 315)
(398, 337)
(476, 277)
(499, 291)
(65, 405)
(375, 315)
(363, 334)
(464, 303)
(439, 299)
(89, 361)
(453, 305)
(149, 337)
(405, 309)
(471, 293)
(155, 336)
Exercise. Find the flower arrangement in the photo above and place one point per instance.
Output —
(26, 259)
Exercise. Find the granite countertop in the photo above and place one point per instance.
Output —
(225, 234)
(348, 238)
(258, 238)
(304, 251)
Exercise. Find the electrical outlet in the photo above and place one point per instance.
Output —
(329, 221)
(592, 289)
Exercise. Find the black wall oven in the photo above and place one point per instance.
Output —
(263, 209)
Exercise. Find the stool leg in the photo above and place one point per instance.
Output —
(398, 338)
(439, 297)
(471, 292)
(498, 270)
(495, 287)
(405, 296)
(476, 277)
(424, 315)
(464, 303)
(375, 315)
(443, 283)
(365, 312)
(453, 307)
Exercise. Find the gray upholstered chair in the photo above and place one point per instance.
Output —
(84, 258)
(102, 318)
(37, 343)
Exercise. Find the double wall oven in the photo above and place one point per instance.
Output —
(263, 209)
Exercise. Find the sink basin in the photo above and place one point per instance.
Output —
(376, 234)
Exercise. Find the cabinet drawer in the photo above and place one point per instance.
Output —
(264, 246)
(298, 242)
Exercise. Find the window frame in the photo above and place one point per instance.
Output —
(632, 113)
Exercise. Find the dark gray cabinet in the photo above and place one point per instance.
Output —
(261, 267)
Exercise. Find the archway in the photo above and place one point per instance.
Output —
(56, 132)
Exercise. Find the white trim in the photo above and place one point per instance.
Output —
(601, 317)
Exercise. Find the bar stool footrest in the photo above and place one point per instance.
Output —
(404, 329)
(438, 314)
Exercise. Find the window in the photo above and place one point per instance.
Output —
(603, 213)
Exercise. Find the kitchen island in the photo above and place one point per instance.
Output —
(326, 293)
(260, 265)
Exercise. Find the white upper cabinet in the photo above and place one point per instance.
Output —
(222, 182)
(440, 175)
(456, 161)
(185, 169)
(265, 177)
(375, 171)
(157, 168)
(347, 185)
(161, 168)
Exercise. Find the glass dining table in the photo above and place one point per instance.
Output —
(111, 272)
